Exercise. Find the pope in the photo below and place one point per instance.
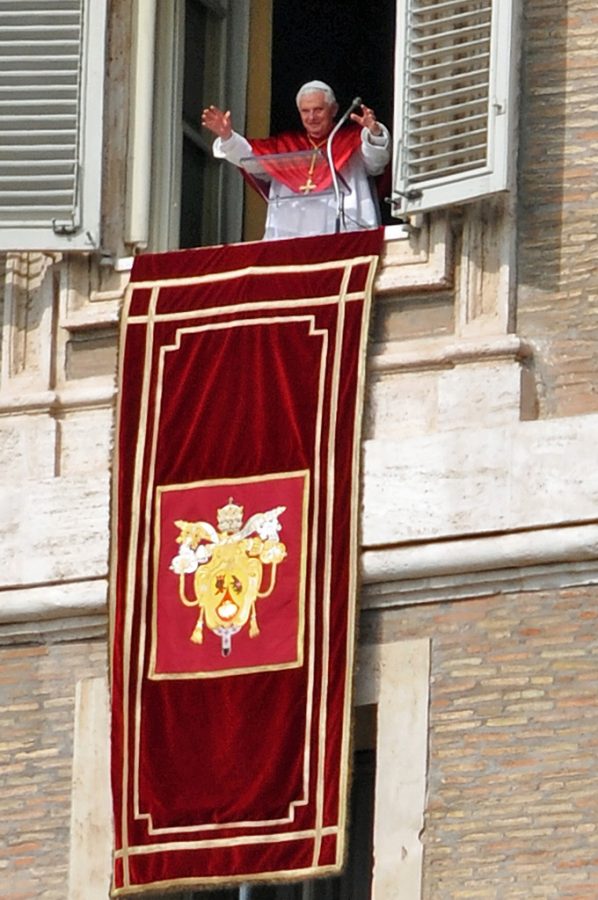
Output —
(301, 196)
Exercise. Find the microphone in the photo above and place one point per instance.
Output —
(355, 102)
(337, 193)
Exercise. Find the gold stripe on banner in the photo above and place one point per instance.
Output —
(223, 673)
(138, 813)
(330, 498)
(292, 269)
(131, 565)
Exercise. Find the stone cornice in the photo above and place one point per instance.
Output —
(563, 556)
(445, 352)
(53, 612)
(96, 393)
(463, 568)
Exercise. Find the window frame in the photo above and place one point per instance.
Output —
(226, 87)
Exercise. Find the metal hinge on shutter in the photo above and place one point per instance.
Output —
(65, 226)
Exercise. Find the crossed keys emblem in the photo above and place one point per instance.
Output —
(227, 564)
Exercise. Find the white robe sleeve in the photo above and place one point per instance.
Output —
(375, 150)
(233, 150)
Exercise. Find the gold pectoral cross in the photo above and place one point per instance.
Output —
(308, 186)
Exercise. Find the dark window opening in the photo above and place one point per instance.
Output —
(349, 45)
(355, 882)
(199, 218)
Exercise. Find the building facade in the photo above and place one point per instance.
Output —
(478, 657)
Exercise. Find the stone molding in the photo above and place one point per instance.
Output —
(449, 570)
(95, 393)
(396, 678)
(54, 613)
(447, 352)
(478, 480)
(91, 832)
(419, 259)
(464, 568)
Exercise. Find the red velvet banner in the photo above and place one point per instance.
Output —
(235, 537)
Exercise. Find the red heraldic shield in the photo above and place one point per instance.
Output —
(234, 560)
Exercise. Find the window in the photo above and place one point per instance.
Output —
(52, 82)
(204, 27)
(201, 58)
(392, 693)
(454, 106)
(356, 879)
(453, 99)
(454, 111)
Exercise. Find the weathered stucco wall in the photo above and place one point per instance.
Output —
(557, 297)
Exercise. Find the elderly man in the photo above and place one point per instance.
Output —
(302, 195)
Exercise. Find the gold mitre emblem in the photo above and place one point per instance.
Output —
(227, 564)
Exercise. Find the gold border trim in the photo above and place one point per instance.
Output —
(293, 268)
(279, 838)
(244, 670)
(278, 876)
(130, 580)
(302, 801)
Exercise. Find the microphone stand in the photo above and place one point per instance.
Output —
(337, 192)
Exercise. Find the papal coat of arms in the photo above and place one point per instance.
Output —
(227, 563)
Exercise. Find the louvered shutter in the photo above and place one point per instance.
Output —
(455, 72)
(51, 88)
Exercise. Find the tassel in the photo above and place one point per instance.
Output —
(197, 635)
(253, 626)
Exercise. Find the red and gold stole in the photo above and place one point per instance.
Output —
(295, 175)
(234, 560)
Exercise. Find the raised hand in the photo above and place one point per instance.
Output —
(367, 119)
(217, 121)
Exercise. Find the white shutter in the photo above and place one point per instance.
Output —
(51, 89)
(454, 108)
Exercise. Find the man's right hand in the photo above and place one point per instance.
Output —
(217, 121)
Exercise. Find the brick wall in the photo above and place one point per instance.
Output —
(37, 704)
(513, 774)
(513, 780)
(557, 304)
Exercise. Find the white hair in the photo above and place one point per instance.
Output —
(311, 87)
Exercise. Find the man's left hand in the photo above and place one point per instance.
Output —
(368, 120)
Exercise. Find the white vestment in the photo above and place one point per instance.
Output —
(295, 215)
